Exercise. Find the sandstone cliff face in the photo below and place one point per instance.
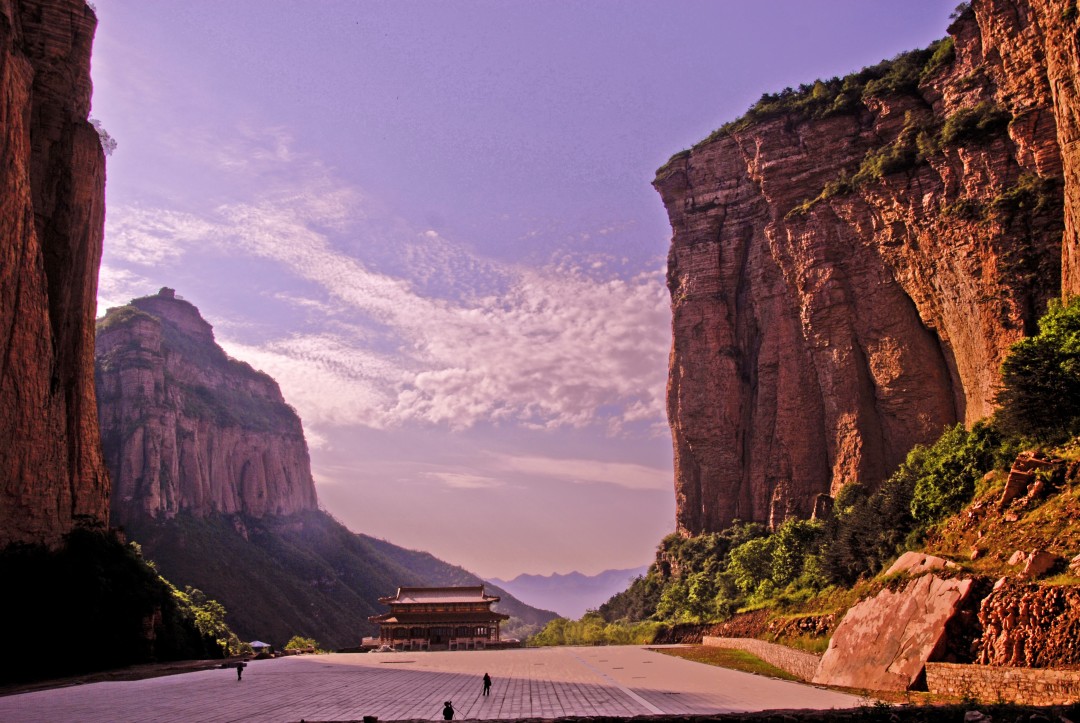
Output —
(52, 180)
(184, 427)
(847, 278)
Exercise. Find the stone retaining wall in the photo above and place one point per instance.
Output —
(797, 662)
(1027, 686)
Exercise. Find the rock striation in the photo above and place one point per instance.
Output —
(851, 261)
(186, 428)
(52, 212)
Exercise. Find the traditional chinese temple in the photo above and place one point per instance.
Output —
(440, 618)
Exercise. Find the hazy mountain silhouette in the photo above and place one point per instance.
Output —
(572, 594)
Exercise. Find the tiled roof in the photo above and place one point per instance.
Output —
(437, 618)
(432, 595)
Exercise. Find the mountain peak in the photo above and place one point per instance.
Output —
(186, 428)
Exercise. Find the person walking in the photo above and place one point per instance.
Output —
(487, 684)
(448, 711)
(240, 671)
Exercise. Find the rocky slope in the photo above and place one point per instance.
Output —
(851, 261)
(302, 574)
(52, 210)
(186, 428)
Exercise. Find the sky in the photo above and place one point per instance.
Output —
(433, 224)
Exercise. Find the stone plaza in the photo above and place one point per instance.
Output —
(528, 683)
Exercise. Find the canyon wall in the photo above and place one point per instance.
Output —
(52, 211)
(186, 428)
(850, 262)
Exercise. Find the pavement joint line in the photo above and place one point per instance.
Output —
(648, 706)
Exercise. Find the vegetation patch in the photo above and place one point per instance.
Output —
(95, 604)
(839, 96)
(728, 658)
(824, 98)
(592, 629)
(975, 124)
(1040, 395)
(121, 315)
(919, 140)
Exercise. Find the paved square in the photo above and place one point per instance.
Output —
(536, 682)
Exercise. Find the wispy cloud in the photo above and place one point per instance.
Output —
(587, 471)
(444, 337)
(457, 480)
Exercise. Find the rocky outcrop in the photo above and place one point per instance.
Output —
(1030, 625)
(851, 261)
(186, 428)
(1033, 473)
(1035, 563)
(884, 642)
(52, 180)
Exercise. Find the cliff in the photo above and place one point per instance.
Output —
(186, 428)
(52, 211)
(851, 260)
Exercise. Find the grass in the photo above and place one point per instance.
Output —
(727, 658)
(816, 644)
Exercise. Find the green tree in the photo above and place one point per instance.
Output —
(869, 529)
(751, 563)
(297, 642)
(1040, 395)
(946, 472)
(795, 541)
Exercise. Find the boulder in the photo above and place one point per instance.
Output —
(1074, 565)
(884, 642)
(1036, 562)
(917, 563)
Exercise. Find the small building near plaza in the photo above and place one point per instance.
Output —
(440, 618)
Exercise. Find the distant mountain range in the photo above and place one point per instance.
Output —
(569, 595)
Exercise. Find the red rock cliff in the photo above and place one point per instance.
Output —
(52, 181)
(851, 261)
(185, 427)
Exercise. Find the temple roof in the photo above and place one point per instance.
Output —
(437, 618)
(434, 595)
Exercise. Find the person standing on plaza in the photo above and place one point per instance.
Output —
(487, 684)
(448, 711)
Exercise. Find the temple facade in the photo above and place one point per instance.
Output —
(440, 618)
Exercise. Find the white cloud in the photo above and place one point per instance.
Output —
(116, 287)
(151, 237)
(447, 339)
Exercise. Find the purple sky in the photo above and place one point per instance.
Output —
(432, 223)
